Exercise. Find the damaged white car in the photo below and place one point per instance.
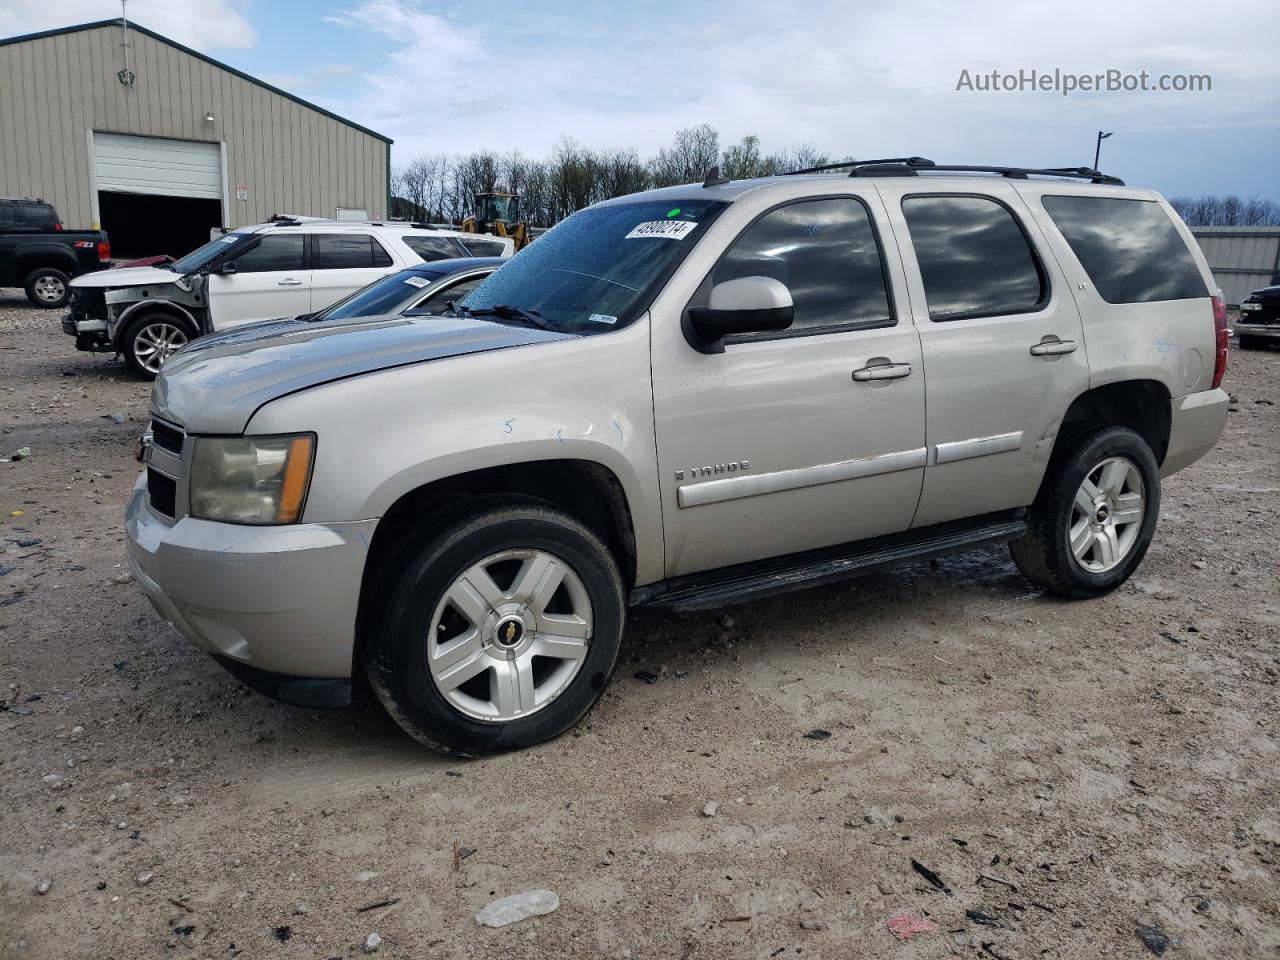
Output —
(286, 268)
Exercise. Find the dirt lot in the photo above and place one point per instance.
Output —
(1070, 770)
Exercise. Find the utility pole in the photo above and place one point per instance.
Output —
(1097, 149)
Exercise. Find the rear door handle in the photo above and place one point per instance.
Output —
(289, 283)
(883, 371)
(1053, 348)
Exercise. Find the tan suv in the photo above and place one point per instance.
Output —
(684, 398)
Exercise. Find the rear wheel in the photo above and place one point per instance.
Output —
(1095, 515)
(149, 340)
(497, 633)
(48, 287)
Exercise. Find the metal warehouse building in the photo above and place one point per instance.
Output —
(125, 130)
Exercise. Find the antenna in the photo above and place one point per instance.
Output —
(714, 179)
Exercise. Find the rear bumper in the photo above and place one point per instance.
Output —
(1196, 425)
(278, 603)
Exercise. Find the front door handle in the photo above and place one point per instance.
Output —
(883, 371)
(289, 283)
(1053, 347)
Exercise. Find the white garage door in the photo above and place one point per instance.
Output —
(171, 168)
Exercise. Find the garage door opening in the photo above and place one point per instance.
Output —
(142, 225)
(155, 195)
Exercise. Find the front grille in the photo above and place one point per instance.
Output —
(163, 492)
(166, 437)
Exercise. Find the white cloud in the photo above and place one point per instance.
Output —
(877, 78)
(202, 24)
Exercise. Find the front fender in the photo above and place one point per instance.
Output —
(166, 305)
(384, 434)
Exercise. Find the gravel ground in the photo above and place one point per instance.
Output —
(1071, 771)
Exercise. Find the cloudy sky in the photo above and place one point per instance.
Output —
(868, 78)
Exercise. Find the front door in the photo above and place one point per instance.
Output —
(804, 439)
(1003, 346)
(270, 280)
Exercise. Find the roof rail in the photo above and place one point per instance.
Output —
(915, 161)
(906, 168)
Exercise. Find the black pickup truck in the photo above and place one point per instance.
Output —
(37, 254)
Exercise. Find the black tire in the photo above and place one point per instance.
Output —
(1044, 555)
(1252, 343)
(48, 287)
(416, 577)
(142, 365)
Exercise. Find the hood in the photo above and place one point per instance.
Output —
(1266, 293)
(215, 383)
(125, 277)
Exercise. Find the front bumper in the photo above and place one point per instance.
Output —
(275, 602)
(1196, 424)
(90, 334)
(1270, 331)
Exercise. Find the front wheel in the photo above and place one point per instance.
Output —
(1094, 517)
(151, 339)
(497, 633)
(1251, 343)
(48, 287)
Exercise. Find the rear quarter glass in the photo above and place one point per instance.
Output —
(1130, 248)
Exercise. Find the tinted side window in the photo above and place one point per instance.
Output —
(825, 251)
(38, 216)
(340, 251)
(6, 213)
(380, 256)
(482, 248)
(432, 248)
(276, 251)
(974, 258)
(1130, 248)
(438, 301)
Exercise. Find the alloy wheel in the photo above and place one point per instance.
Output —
(49, 289)
(1107, 514)
(155, 343)
(509, 635)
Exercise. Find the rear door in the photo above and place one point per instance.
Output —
(343, 262)
(270, 280)
(1004, 351)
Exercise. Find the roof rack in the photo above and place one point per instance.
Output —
(920, 161)
(911, 167)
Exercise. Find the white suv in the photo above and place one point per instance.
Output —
(288, 267)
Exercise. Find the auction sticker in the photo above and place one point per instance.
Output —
(662, 229)
(416, 281)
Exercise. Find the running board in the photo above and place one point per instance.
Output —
(750, 581)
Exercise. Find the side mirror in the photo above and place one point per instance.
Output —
(745, 305)
(227, 268)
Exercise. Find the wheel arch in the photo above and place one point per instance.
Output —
(159, 306)
(1144, 406)
(585, 489)
(57, 259)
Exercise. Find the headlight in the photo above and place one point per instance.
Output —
(251, 479)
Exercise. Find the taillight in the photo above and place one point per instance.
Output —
(1220, 341)
(57, 227)
(104, 251)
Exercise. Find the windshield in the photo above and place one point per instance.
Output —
(201, 256)
(385, 295)
(592, 272)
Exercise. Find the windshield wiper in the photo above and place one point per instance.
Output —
(505, 311)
